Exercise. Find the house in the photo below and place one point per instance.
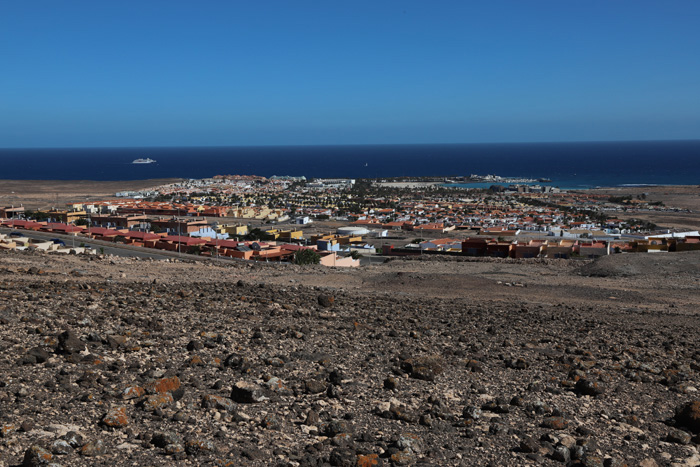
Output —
(289, 235)
(234, 230)
(134, 221)
(686, 244)
(178, 226)
(593, 249)
(179, 243)
(138, 238)
(11, 212)
(67, 217)
(526, 250)
(562, 249)
(209, 232)
(230, 248)
(333, 260)
(25, 225)
(474, 246)
(102, 233)
(395, 225)
(442, 244)
(498, 249)
(59, 227)
(328, 245)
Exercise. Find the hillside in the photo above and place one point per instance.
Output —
(118, 361)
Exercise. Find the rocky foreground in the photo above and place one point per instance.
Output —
(102, 363)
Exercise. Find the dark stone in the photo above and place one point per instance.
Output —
(271, 422)
(577, 452)
(587, 387)
(335, 377)
(238, 362)
(590, 460)
(27, 426)
(343, 457)
(517, 364)
(312, 418)
(61, 447)
(163, 438)
(472, 412)
(94, 448)
(425, 368)
(326, 301)
(555, 423)
(313, 386)
(197, 446)
(76, 440)
(247, 393)
(678, 436)
(391, 383)
(211, 401)
(178, 393)
(561, 454)
(69, 343)
(194, 345)
(36, 455)
(688, 416)
(338, 426)
(529, 444)
(35, 355)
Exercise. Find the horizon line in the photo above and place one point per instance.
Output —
(359, 144)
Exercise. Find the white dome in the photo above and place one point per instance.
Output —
(352, 230)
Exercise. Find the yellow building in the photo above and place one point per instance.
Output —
(233, 230)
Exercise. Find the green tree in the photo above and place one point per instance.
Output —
(254, 234)
(307, 256)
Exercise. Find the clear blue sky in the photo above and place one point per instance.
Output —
(171, 73)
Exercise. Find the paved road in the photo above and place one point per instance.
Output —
(109, 247)
(131, 251)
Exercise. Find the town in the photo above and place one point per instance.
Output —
(347, 222)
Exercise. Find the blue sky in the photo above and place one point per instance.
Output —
(172, 73)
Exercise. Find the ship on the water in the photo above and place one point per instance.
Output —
(147, 160)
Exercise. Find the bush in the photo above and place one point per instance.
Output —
(306, 257)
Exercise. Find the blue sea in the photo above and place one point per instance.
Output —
(568, 165)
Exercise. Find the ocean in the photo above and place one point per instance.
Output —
(568, 165)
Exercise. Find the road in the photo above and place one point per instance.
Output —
(109, 248)
(130, 251)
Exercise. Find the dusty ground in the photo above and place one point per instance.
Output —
(680, 197)
(43, 194)
(423, 361)
(413, 362)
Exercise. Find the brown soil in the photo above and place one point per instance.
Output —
(43, 194)
(679, 197)
(424, 361)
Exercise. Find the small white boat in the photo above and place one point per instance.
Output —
(143, 161)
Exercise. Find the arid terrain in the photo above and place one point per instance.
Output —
(44, 194)
(679, 197)
(115, 361)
